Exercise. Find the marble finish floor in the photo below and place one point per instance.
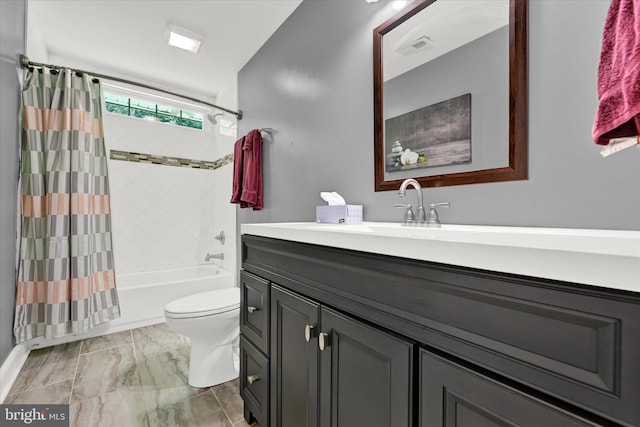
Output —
(127, 379)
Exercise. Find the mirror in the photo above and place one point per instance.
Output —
(450, 93)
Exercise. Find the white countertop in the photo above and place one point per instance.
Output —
(605, 258)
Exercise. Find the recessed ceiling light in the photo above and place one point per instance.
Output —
(371, 1)
(399, 4)
(183, 39)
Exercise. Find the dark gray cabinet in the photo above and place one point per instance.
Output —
(366, 374)
(294, 371)
(564, 353)
(454, 396)
(254, 347)
(254, 381)
(329, 369)
(254, 310)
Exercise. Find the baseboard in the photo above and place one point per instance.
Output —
(11, 368)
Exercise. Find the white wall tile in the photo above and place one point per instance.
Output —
(165, 216)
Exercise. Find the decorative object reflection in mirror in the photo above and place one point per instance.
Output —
(450, 93)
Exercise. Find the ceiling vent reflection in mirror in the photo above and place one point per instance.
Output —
(414, 46)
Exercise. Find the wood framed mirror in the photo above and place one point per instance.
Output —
(451, 96)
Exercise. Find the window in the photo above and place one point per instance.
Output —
(127, 106)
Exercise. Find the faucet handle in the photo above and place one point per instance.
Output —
(432, 216)
(439, 205)
(409, 217)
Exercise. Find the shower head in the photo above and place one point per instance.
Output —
(212, 118)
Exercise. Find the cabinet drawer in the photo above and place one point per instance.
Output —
(455, 396)
(254, 381)
(254, 310)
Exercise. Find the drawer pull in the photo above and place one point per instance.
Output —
(252, 309)
(309, 332)
(252, 378)
(323, 341)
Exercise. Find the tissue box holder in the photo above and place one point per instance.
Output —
(339, 214)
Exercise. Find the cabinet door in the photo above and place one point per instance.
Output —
(294, 360)
(365, 375)
(454, 396)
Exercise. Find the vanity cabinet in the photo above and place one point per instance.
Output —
(467, 347)
(329, 369)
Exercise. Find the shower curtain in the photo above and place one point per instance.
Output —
(66, 280)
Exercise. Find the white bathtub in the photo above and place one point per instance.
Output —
(143, 297)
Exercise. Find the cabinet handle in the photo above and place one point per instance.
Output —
(323, 341)
(309, 332)
(252, 309)
(252, 378)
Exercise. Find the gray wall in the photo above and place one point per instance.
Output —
(12, 43)
(312, 81)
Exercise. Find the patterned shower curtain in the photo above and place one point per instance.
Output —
(66, 280)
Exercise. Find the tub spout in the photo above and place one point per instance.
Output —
(213, 256)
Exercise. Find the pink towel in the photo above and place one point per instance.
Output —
(618, 113)
(237, 170)
(252, 176)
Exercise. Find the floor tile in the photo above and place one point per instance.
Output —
(200, 411)
(127, 379)
(106, 341)
(228, 395)
(164, 367)
(120, 408)
(156, 338)
(56, 393)
(47, 366)
(105, 371)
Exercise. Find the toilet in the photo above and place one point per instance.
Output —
(211, 321)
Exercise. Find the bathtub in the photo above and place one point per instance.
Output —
(144, 295)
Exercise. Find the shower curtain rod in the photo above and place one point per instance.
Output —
(25, 63)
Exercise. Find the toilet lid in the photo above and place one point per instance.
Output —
(205, 303)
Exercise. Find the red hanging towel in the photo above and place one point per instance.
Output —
(618, 113)
(238, 166)
(252, 176)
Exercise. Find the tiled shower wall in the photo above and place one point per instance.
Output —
(167, 216)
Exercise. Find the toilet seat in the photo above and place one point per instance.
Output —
(204, 304)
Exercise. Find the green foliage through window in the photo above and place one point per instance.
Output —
(126, 106)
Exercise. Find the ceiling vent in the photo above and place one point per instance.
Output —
(414, 46)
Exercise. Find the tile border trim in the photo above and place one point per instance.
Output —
(170, 161)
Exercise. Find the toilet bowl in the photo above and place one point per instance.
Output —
(211, 321)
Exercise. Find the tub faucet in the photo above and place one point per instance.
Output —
(409, 218)
(221, 237)
(212, 256)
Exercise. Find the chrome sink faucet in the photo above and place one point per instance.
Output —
(409, 218)
(420, 218)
